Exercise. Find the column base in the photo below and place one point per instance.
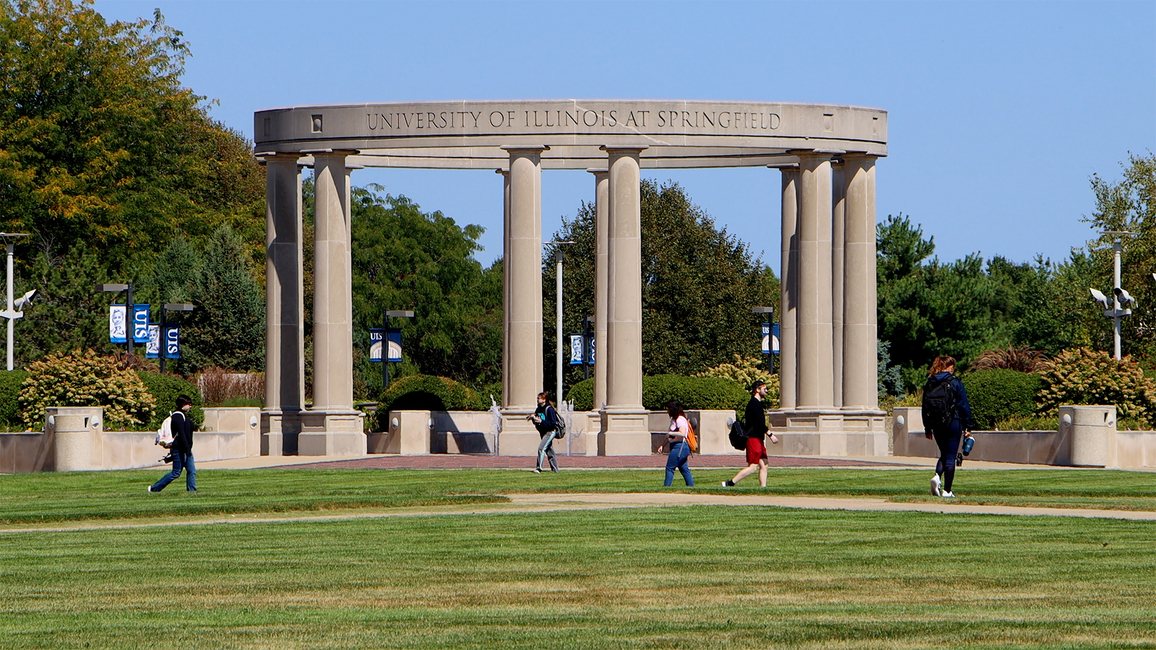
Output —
(829, 432)
(518, 436)
(279, 430)
(625, 432)
(331, 433)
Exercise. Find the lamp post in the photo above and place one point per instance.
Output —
(128, 307)
(163, 350)
(385, 341)
(558, 316)
(769, 313)
(1121, 299)
(13, 313)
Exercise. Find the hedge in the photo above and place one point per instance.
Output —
(9, 394)
(165, 388)
(998, 394)
(694, 393)
(427, 393)
(1093, 377)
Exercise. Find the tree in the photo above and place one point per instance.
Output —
(227, 327)
(698, 285)
(404, 258)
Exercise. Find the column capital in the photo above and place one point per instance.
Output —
(596, 171)
(524, 149)
(502, 172)
(330, 152)
(818, 153)
(616, 149)
(266, 157)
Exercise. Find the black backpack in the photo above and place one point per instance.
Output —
(738, 436)
(939, 402)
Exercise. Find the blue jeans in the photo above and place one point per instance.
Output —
(181, 460)
(679, 454)
(546, 449)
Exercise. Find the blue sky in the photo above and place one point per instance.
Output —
(999, 112)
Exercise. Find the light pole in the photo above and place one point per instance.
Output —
(558, 319)
(163, 348)
(13, 313)
(1120, 297)
(128, 307)
(769, 313)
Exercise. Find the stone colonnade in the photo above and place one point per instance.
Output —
(829, 371)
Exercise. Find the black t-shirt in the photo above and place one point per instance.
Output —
(755, 420)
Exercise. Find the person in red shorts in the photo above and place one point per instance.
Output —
(755, 423)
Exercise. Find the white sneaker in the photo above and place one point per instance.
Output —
(948, 495)
(935, 485)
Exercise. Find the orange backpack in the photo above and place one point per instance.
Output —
(691, 439)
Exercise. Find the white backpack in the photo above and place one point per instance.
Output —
(165, 433)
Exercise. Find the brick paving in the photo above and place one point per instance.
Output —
(486, 461)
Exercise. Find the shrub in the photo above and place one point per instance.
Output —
(85, 379)
(426, 393)
(582, 394)
(9, 394)
(219, 386)
(164, 389)
(1089, 377)
(1012, 358)
(694, 393)
(744, 372)
(1000, 394)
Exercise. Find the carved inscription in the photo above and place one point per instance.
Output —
(576, 120)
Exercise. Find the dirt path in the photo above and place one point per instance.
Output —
(531, 503)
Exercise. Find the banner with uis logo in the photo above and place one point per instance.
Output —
(172, 342)
(140, 323)
(393, 345)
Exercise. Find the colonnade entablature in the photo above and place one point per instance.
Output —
(826, 154)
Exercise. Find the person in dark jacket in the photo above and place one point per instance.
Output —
(755, 424)
(948, 438)
(181, 447)
(545, 420)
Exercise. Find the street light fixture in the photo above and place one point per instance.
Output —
(1120, 298)
(16, 310)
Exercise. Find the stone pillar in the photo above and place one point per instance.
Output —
(860, 358)
(626, 431)
(815, 391)
(837, 234)
(332, 426)
(505, 287)
(523, 265)
(601, 287)
(284, 307)
(789, 290)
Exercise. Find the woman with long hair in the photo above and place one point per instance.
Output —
(947, 390)
(545, 420)
(676, 440)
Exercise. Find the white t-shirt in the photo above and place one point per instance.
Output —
(679, 428)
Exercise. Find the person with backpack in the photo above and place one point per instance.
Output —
(181, 448)
(946, 417)
(755, 421)
(679, 442)
(545, 420)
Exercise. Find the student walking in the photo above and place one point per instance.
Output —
(545, 420)
(181, 447)
(677, 441)
(755, 424)
(946, 416)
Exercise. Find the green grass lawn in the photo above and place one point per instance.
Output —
(63, 497)
(674, 577)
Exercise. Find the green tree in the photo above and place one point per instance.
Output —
(698, 285)
(404, 258)
(227, 328)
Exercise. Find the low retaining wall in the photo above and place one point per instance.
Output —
(1085, 436)
(74, 439)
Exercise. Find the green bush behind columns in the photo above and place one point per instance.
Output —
(694, 393)
(995, 395)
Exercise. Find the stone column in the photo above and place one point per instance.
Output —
(601, 287)
(815, 391)
(523, 265)
(284, 307)
(837, 234)
(860, 358)
(333, 427)
(789, 290)
(626, 431)
(505, 287)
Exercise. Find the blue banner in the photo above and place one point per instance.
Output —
(153, 349)
(172, 342)
(117, 325)
(770, 337)
(577, 356)
(375, 345)
(140, 323)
